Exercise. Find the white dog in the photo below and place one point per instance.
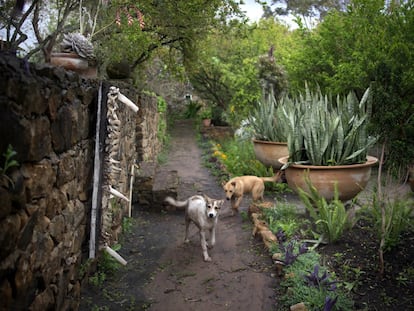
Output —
(203, 211)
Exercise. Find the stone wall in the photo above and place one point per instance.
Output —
(148, 118)
(48, 116)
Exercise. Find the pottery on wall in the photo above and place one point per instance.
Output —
(206, 122)
(269, 152)
(72, 61)
(351, 179)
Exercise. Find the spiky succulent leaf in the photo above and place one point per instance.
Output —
(330, 132)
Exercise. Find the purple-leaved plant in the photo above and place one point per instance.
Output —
(329, 303)
(290, 256)
(316, 280)
(281, 236)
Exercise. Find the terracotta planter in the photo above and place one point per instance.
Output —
(206, 122)
(71, 61)
(351, 179)
(269, 152)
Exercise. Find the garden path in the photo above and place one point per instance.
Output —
(164, 274)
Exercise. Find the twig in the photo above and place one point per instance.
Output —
(383, 216)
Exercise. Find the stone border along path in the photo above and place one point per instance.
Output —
(165, 274)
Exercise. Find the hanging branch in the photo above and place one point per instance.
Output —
(46, 44)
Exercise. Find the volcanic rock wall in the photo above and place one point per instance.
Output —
(48, 116)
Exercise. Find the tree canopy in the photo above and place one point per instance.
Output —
(355, 44)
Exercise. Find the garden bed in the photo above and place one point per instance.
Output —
(354, 259)
(353, 262)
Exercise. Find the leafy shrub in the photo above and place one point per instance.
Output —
(162, 134)
(192, 109)
(239, 159)
(398, 219)
(282, 217)
(331, 218)
(107, 265)
(303, 289)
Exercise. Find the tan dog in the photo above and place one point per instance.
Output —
(203, 212)
(237, 186)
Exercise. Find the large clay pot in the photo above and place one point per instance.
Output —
(269, 152)
(351, 179)
(71, 61)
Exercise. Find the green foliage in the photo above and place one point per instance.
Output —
(299, 264)
(161, 104)
(313, 297)
(306, 9)
(324, 132)
(399, 218)
(9, 162)
(173, 24)
(331, 218)
(97, 279)
(162, 134)
(369, 42)
(272, 75)
(205, 113)
(282, 216)
(239, 159)
(127, 223)
(227, 71)
(107, 263)
(192, 109)
(268, 121)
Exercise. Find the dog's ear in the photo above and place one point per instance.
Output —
(223, 183)
(206, 197)
(233, 183)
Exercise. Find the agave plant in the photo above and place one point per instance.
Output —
(79, 44)
(327, 132)
(268, 120)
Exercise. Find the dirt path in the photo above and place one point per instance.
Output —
(164, 274)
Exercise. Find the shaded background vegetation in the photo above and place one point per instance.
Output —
(212, 49)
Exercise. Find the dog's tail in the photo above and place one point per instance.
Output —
(275, 178)
(178, 204)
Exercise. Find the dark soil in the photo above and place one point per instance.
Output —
(164, 274)
(355, 259)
